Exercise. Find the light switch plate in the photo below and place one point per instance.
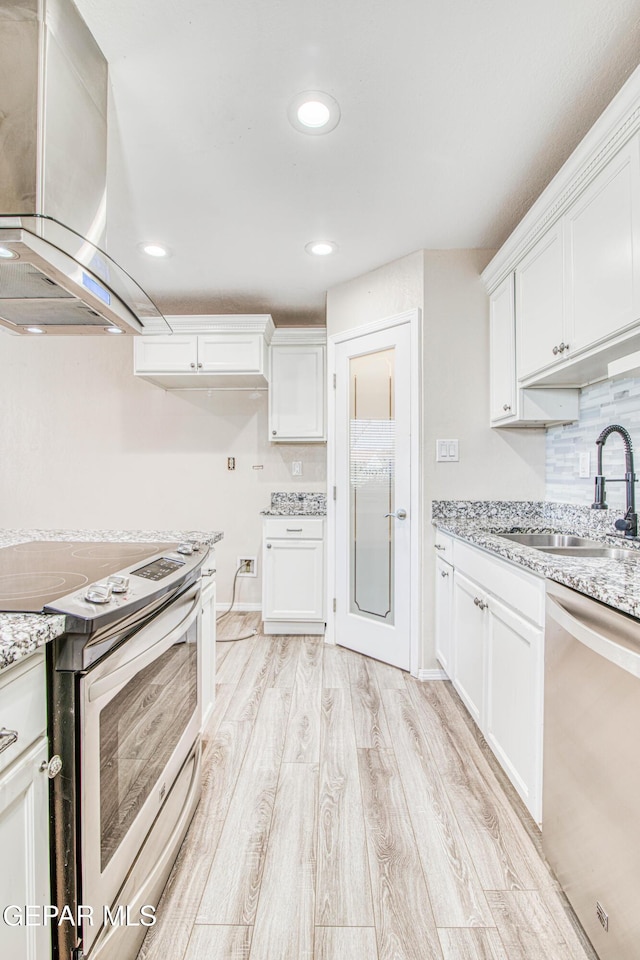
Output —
(296, 468)
(447, 451)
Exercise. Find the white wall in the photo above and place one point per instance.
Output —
(86, 444)
(494, 464)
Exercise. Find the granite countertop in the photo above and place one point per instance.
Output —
(614, 582)
(296, 505)
(22, 633)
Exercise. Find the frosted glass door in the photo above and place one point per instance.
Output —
(373, 495)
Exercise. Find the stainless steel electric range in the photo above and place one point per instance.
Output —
(124, 710)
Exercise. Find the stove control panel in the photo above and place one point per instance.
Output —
(118, 583)
(159, 569)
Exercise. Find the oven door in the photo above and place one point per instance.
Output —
(140, 717)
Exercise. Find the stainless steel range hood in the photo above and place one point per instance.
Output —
(54, 273)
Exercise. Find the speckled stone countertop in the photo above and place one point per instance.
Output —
(614, 582)
(297, 505)
(22, 633)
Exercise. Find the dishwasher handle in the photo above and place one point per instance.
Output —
(597, 640)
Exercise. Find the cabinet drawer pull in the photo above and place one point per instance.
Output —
(506, 406)
(269, 545)
(443, 573)
(199, 366)
(439, 546)
(51, 767)
(192, 365)
(294, 529)
(563, 347)
(7, 738)
(556, 351)
(480, 603)
(274, 433)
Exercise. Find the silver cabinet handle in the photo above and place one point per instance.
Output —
(439, 546)
(443, 573)
(563, 347)
(398, 515)
(52, 767)
(199, 366)
(7, 738)
(294, 529)
(192, 365)
(480, 603)
(269, 545)
(274, 433)
(506, 406)
(556, 351)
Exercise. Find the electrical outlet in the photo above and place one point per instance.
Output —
(296, 468)
(249, 566)
(585, 465)
(231, 463)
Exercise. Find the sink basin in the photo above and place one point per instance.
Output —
(543, 540)
(612, 553)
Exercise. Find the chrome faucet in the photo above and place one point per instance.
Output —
(629, 523)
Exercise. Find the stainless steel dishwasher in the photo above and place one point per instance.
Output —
(591, 790)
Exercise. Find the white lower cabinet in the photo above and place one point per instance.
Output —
(293, 576)
(496, 660)
(444, 594)
(208, 649)
(24, 813)
(469, 644)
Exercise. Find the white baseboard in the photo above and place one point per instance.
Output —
(241, 607)
(432, 675)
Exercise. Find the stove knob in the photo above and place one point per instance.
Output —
(186, 549)
(118, 583)
(195, 545)
(98, 593)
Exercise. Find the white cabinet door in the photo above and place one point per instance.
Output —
(444, 599)
(502, 352)
(469, 625)
(513, 723)
(602, 233)
(231, 353)
(208, 650)
(172, 354)
(540, 327)
(296, 392)
(293, 580)
(24, 841)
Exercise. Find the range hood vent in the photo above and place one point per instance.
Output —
(54, 272)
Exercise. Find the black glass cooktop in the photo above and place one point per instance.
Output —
(38, 572)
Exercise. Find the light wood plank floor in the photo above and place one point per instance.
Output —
(350, 812)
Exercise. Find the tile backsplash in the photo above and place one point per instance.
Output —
(612, 401)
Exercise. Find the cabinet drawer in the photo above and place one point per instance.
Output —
(294, 528)
(444, 546)
(523, 591)
(23, 705)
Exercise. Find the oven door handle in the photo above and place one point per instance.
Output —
(129, 668)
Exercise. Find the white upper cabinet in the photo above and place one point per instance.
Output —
(602, 232)
(576, 258)
(297, 386)
(216, 352)
(510, 404)
(541, 336)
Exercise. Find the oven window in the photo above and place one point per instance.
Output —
(139, 730)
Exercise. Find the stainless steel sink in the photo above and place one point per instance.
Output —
(612, 553)
(543, 540)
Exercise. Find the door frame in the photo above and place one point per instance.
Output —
(413, 318)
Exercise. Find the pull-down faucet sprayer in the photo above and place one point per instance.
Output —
(628, 524)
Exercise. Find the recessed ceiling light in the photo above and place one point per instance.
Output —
(314, 112)
(321, 248)
(35, 330)
(7, 254)
(154, 249)
(113, 330)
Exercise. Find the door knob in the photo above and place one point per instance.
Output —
(400, 514)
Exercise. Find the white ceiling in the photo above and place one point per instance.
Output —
(455, 115)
